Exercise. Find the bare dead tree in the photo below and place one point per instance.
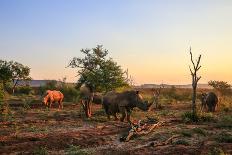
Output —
(195, 68)
(129, 78)
(156, 95)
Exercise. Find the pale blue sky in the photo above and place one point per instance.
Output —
(149, 37)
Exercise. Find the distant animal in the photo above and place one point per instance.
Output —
(123, 103)
(210, 100)
(53, 96)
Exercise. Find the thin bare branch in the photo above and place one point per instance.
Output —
(191, 70)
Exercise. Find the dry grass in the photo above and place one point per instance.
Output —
(42, 131)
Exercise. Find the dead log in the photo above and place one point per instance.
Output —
(168, 141)
(141, 130)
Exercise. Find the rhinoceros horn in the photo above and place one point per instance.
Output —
(144, 105)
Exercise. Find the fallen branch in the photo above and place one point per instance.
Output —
(168, 141)
(140, 130)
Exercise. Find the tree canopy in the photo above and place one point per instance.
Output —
(220, 86)
(97, 71)
(11, 71)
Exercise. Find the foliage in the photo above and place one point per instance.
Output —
(177, 94)
(220, 86)
(181, 142)
(40, 151)
(189, 117)
(1, 98)
(75, 150)
(186, 133)
(13, 71)
(5, 112)
(24, 90)
(27, 102)
(225, 122)
(69, 91)
(206, 117)
(216, 151)
(97, 71)
(200, 131)
(50, 85)
(224, 137)
(5, 72)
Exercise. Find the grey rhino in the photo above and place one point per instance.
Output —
(210, 100)
(123, 103)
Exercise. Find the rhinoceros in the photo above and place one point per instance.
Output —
(53, 96)
(210, 100)
(86, 98)
(123, 103)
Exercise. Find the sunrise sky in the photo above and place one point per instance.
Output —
(149, 37)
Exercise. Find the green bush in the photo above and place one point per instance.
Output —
(224, 137)
(189, 117)
(71, 94)
(225, 122)
(181, 142)
(216, 151)
(1, 96)
(199, 131)
(207, 117)
(23, 90)
(40, 151)
(186, 133)
(75, 150)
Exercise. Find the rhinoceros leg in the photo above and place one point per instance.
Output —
(122, 110)
(128, 115)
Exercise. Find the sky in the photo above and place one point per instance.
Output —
(150, 38)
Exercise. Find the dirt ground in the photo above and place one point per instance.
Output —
(38, 130)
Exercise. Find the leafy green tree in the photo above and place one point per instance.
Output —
(97, 71)
(221, 87)
(1, 95)
(5, 72)
(19, 72)
(11, 71)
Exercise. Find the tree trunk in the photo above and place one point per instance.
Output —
(194, 101)
(13, 89)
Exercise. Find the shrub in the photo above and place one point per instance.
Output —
(27, 102)
(1, 97)
(224, 138)
(71, 94)
(225, 122)
(181, 142)
(207, 117)
(189, 117)
(216, 151)
(75, 150)
(40, 151)
(24, 90)
(186, 133)
(199, 131)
